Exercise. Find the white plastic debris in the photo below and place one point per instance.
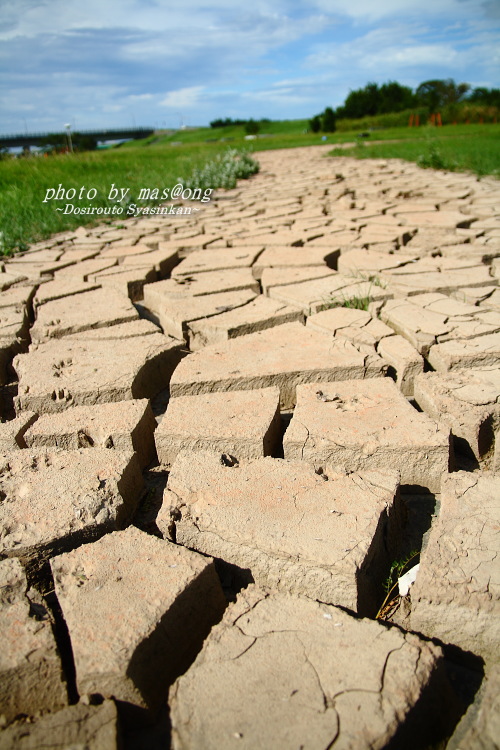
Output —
(407, 579)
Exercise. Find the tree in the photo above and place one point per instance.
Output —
(437, 94)
(225, 123)
(360, 102)
(328, 121)
(315, 124)
(482, 95)
(252, 127)
(395, 98)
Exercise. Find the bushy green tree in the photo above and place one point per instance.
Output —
(252, 127)
(373, 99)
(328, 121)
(393, 97)
(225, 122)
(315, 124)
(437, 94)
(360, 102)
(482, 95)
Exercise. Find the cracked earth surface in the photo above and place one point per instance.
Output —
(219, 432)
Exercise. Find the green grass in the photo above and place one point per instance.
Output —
(354, 303)
(26, 218)
(165, 158)
(462, 148)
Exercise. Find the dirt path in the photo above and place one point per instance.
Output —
(221, 428)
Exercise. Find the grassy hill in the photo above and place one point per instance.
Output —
(165, 158)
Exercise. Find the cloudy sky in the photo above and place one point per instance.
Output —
(109, 63)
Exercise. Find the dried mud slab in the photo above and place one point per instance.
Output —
(456, 595)
(137, 610)
(436, 219)
(34, 270)
(80, 272)
(20, 297)
(281, 672)
(243, 424)
(198, 285)
(258, 315)
(370, 334)
(272, 277)
(122, 425)
(369, 263)
(129, 283)
(119, 363)
(31, 676)
(324, 537)
(480, 352)
(295, 257)
(162, 261)
(216, 259)
(430, 319)
(437, 281)
(403, 360)
(283, 356)
(14, 338)
(479, 729)
(55, 500)
(357, 326)
(334, 290)
(60, 288)
(96, 309)
(120, 332)
(367, 425)
(175, 315)
(75, 727)
(467, 401)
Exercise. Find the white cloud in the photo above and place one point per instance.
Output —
(369, 11)
(285, 58)
(31, 18)
(281, 95)
(140, 97)
(377, 54)
(397, 57)
(186, 98)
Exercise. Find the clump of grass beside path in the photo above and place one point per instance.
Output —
(26, 215)
(454, 148)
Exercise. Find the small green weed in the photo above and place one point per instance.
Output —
(355, 303)
(391, 582)
(433, 159)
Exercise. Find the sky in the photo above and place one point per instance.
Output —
(164, 64)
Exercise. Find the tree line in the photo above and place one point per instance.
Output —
(251, 126)
(432, 96)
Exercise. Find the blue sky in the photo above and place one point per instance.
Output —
(110, 63)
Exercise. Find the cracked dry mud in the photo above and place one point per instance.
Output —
(219, 432)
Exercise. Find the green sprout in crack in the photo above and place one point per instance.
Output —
(357, 273)
(355, 302)
(397, 568)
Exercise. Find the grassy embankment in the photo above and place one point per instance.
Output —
(460, 148)
(24, 217)
(164, 159)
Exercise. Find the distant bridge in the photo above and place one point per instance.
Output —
(37, 139)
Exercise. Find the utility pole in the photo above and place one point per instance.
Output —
(68, 133)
